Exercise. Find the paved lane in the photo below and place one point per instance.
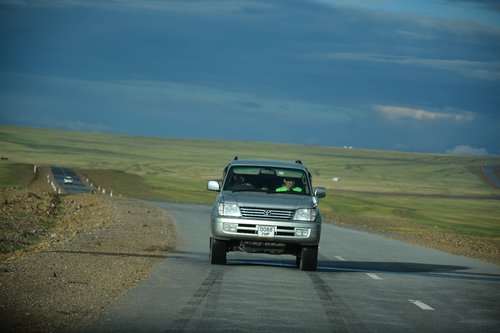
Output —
(76, 188)
(364, 283)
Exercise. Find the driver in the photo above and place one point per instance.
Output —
(289, 186)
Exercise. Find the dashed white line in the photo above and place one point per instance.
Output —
(374, 276)
(421, 305)
(340, 258)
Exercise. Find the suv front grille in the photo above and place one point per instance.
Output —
(263, 213)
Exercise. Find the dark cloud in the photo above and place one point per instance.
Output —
(178, 68)
(488, 4)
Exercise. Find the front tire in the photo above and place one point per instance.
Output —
(218, 251)
(309, 258)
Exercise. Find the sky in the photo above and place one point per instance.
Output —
(421, 76)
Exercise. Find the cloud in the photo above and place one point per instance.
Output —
(488, 4)
(416, 35)
(467, 151)
(77, 126)
(236, 69)
(448, 13)
(165, 99)
(180, 6)
(398, 112)
(484, 70)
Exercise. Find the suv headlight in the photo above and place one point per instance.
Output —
(305, 214)
(228, 209)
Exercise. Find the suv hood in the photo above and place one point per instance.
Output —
(268, 200)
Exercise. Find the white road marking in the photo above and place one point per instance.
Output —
(421, 305)
(374, 276)
(340, 258)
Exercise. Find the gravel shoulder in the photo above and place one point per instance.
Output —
(464, 245)
(100, 249)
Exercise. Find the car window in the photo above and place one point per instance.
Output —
(265, 179)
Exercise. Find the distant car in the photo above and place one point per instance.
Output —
(68, 180)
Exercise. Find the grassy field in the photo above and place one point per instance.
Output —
(400, 190)
(15, 174)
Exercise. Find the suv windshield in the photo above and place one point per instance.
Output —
(267, 179)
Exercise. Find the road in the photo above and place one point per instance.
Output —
(77, 187)
(364, 283)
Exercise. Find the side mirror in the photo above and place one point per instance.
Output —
(213, 185)
(319, 192)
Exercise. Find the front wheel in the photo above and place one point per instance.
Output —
(218, 251)
(309, 258)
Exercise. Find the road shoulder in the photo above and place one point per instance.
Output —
(103, 248)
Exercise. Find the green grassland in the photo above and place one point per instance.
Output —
(15, 174)
(399, 189)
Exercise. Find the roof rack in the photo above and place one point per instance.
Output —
(298, 161)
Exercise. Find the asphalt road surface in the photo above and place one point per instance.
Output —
(364, 283)
(76, 188)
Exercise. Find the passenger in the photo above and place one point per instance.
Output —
(239, 182)
(289, 186)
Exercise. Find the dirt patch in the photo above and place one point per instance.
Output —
(80, 254)
(26, 217)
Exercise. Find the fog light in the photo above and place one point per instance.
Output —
(302, 232)
(230, 227)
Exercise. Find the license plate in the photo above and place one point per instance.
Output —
(266, 231)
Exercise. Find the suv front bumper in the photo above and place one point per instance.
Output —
(290, 232)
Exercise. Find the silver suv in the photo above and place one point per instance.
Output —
(266, 207)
